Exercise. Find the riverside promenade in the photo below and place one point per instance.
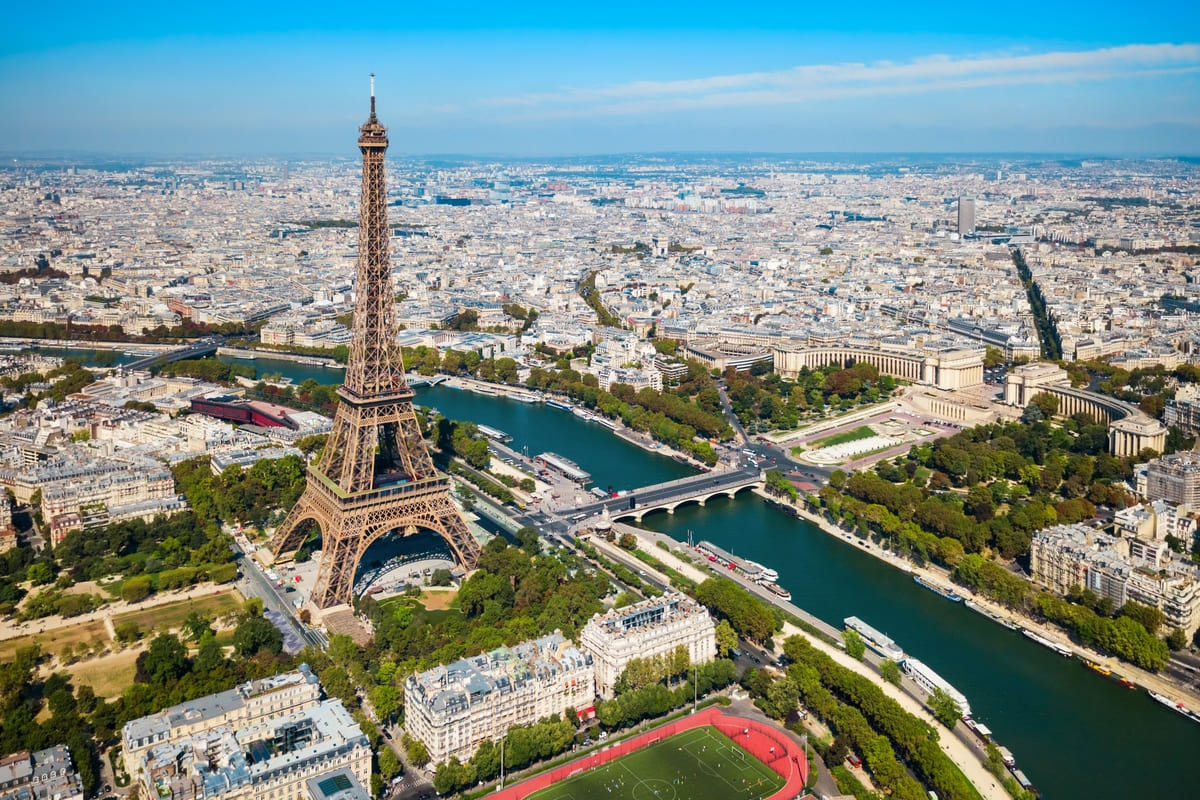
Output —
(969, 760)
(1143, 678)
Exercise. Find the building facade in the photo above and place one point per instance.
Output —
(1176, 479)
(246, 704)
(966, 215)
(643, 630)
(266, 740)
(44, 775)
(1119, 568)
(454, 708)
(948, 369)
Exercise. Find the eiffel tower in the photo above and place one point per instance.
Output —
(374, 475)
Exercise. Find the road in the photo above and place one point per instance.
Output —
(254, 583)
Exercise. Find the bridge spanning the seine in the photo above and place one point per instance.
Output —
(197, 350)
(668, 496)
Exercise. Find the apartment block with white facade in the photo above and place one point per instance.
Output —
(1120, 568)
(644, 630)
(456, 707)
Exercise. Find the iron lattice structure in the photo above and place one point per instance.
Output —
(375, 474)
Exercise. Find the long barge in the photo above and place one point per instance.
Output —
(1005, 621)
(1061, 649)
(929, 680)
(1175, 706)
(937, 588)
(879, 642)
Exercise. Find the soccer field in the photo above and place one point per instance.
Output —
(698, 764)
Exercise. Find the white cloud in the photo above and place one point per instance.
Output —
(818, 82)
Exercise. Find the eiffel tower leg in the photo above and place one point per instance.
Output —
(342, 550)
(290, 535)
(449, 523)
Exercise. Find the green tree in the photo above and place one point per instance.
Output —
(39, 573)
(255, 634)
(1177, 639)
(1150, 617)
(856, 648)
(726, 638)
(165, 661)
(135, 589)
(389, 764)
(945, 709)
(196, 625)
(890, 671)
(418, 754)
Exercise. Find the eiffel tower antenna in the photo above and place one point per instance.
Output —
(374, 476)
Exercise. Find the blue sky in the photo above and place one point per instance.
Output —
(559, 78)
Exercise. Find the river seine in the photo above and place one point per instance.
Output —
(1075, 734)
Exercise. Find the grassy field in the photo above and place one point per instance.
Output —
(170, 616)
(861, 432)
(699, 764)
(52, 641)
(108, 675)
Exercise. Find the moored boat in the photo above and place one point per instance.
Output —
(1005, 621)
(944, 591)
(1175, 706)
(778, 591)
(559, 404)
(1061, 649)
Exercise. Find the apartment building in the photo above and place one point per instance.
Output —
(8, 532)
(272, 739)
(1119, 568)
(1176, 479)
(246, 704)
(646, 629)
(42, 775)
(453, 708)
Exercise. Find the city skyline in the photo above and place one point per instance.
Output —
(547, 81)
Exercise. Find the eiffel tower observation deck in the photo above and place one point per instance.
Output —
(375, 475)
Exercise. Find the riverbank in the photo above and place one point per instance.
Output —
(644, 441)
(996, 612)
(84, 344)
(251, 354)
(971, 762)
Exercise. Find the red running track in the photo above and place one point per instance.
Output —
(769, 745)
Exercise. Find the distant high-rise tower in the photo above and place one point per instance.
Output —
(287, 173)
(966, 215)
(375, 475)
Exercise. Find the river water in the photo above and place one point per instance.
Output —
(1075, 734)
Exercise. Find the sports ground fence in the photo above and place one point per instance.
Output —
(770, 746)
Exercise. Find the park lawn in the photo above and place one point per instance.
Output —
(438, 599)
(698, 764)
(108, 675)
(861, 432)
(53, 640)
(169, 616)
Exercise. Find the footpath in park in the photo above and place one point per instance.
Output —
(12, 629)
